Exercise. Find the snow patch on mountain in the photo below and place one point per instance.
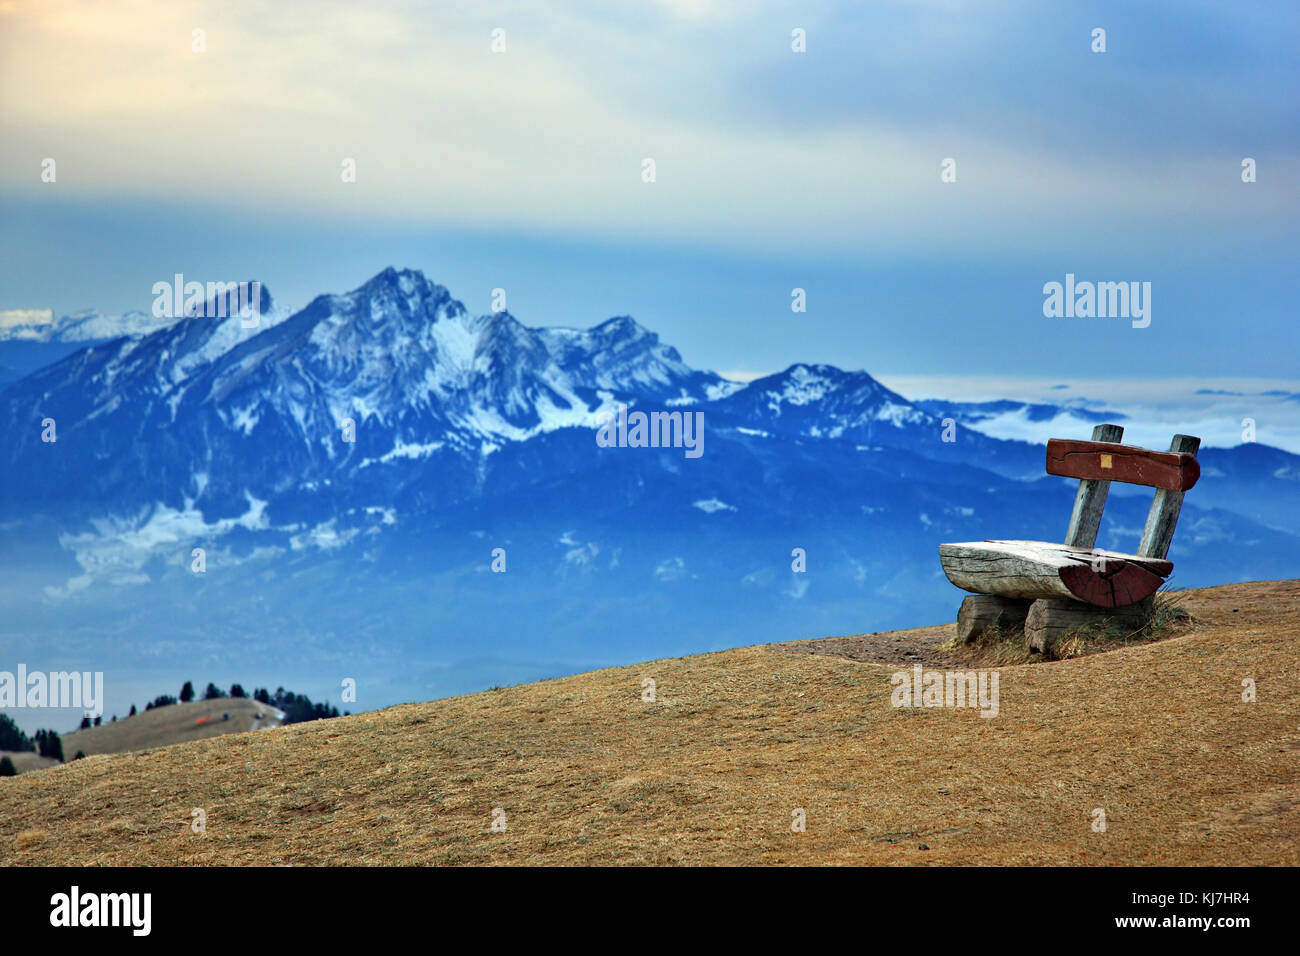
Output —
(402, 449)
(721, 389)
(803, 386)
(899, 415)
(245, 419)
(89, 325)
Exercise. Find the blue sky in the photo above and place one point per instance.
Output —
(775, 170)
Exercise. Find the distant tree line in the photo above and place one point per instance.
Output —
(45, 742)
(297, 707)
(11, 738)
(49, 744)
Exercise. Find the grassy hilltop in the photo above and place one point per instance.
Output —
(1154, 733)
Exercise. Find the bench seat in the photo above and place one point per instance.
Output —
(1038, 569)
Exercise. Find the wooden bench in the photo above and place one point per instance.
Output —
(1052, 588)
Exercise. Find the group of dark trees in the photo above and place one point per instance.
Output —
(11, 737)
(212, 693)
(49, 744)
(46, 743)
(297, 707)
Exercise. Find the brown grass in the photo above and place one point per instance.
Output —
(29, 840)
(1156, 734)
(164, 726)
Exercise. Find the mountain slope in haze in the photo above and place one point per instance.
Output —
(203, 500)
(89, 325)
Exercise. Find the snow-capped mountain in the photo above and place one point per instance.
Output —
(392, 374)
(365, 457)
(821, 401)
(89, 325)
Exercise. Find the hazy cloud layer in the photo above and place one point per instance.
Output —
(754, 145)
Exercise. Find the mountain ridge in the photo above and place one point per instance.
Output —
(475, 435)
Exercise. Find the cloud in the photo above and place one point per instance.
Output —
(1155, 409)
(120, 548)
(754, 145)
(26, 323)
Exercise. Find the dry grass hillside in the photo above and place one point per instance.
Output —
(1155, 734)
(177, 723)
(24, 761)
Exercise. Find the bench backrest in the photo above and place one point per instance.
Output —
(1099, 462)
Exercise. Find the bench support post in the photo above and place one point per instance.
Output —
(981, 611)
(1091, 498)
(1050, 619)
(1163, 516)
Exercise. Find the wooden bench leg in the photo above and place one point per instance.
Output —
(980, 611)
(1049, 619)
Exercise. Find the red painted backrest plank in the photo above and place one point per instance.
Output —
(1110, 462)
